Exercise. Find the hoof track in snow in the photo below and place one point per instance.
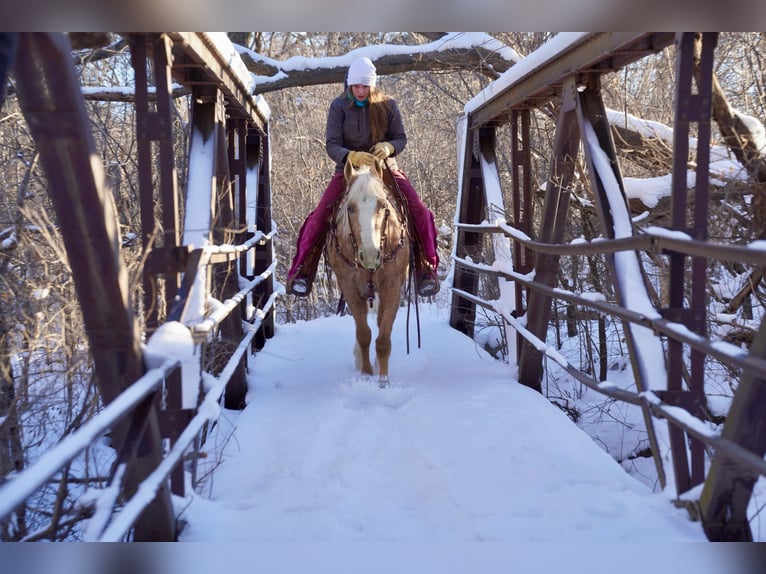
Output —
(362, 392)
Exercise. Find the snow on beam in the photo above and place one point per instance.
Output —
(215, 56)
(537, 78)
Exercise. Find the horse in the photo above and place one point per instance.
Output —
(368, 249)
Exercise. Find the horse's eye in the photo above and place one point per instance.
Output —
(350, 209)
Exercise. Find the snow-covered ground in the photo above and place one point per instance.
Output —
(453, 451)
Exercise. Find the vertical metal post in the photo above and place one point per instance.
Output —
(523, 206)
(691, 107)
(565, 150)
(155, 124)
(168, 177)
(138, 56)
(259, 157)
(473, 209)
(226, 274)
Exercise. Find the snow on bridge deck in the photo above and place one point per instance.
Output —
(454, 451)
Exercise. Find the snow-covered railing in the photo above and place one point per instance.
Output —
(666, 334)
(677, 415)
(107, 526)
(208, 411)
(22, 485)
(214, 319)
(652, 239)
(223, 102)
(754, 253)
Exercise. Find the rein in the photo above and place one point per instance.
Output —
(403, 203)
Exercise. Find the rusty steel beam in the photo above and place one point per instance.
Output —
(565, 150)
(472, 209)
(197, 60)
(602, 51)
(49, 94)
(691, 106)
(523, 201)
(257, 154)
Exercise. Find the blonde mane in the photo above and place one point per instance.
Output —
(364, 179)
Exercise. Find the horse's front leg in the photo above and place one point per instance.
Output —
(363, 336)
(386, 315)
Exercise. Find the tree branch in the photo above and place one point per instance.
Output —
(486, 56)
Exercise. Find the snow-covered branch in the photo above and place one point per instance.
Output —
(462, 50)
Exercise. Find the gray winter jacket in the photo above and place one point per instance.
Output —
(348, 129)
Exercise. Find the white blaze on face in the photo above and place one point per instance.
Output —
(369, 227)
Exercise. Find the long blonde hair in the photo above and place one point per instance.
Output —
(379, 103)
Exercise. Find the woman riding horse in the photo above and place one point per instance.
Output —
(364, 126)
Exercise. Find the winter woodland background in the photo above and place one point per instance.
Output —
(46, 387)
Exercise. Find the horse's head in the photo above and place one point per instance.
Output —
(364, 212)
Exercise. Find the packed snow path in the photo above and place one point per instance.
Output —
(453, 450)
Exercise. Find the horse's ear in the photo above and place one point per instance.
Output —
(378, 169)
(348, 171)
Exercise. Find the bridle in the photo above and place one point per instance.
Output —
(388, 254)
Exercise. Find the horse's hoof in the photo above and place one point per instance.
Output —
(383, 382)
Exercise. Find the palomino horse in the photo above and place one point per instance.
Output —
(369, 250)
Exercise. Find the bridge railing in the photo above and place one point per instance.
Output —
(215, 270)
(725, 353)
(143, 391)
(667, 341)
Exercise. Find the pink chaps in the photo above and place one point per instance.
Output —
(317, 222)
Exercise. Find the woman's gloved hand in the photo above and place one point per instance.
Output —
(383, 150)
(359, 158)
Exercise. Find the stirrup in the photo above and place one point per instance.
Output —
(299, 287)
(428, 284)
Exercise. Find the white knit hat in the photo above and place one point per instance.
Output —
(362, 71)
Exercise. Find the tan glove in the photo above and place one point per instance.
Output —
(383, 150)
(358, 158)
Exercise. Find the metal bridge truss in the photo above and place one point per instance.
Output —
(232, 261)
(571, 81)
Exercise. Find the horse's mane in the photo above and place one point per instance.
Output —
(364, 178)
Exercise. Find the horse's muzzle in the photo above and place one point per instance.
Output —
(369, 260)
